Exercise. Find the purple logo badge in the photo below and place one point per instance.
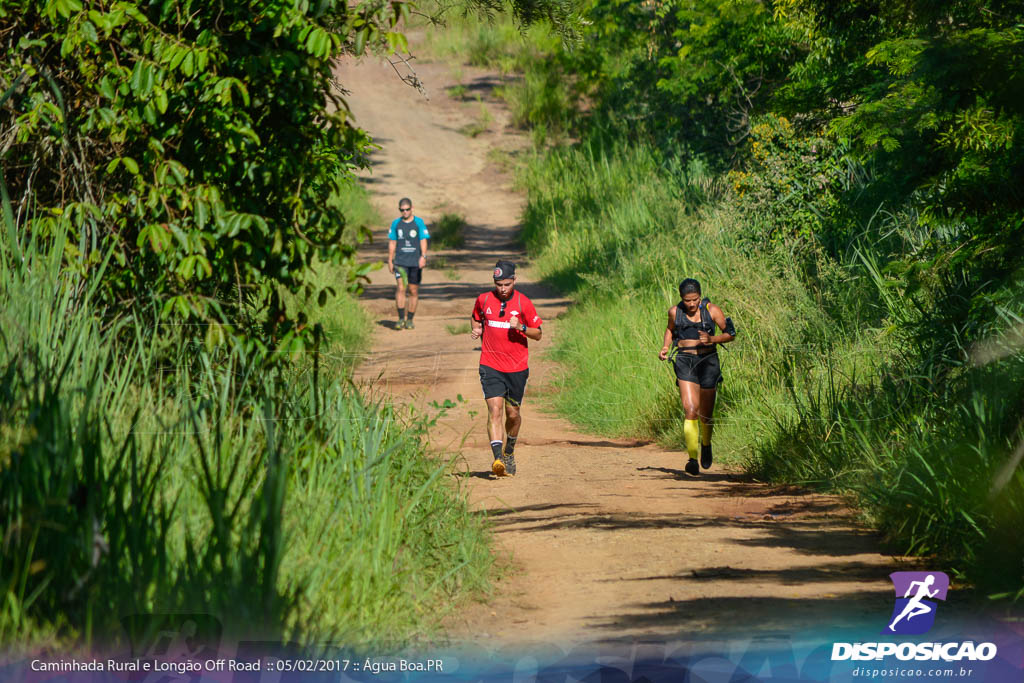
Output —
(914, 611)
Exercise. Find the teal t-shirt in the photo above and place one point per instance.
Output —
(408, 236)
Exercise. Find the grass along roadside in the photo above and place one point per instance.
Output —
(477, 41)
(808, 398)
(827, 384)
(482, 123)
(595, 222)
(448, 232)
(531, 84)
(345, 322)
(276, 498)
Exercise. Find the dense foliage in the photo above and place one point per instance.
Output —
(189, 142)
(276, 500)
(200, 147)
(178, 171)
(848, 178)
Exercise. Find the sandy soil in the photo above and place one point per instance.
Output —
(601, 540)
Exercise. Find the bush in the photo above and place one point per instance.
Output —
(271, 496)
(448, 232)
(192, 143)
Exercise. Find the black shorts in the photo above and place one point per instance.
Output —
(412, 274)
(511, 385)
(703, 370)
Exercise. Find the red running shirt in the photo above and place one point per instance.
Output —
(503, 348)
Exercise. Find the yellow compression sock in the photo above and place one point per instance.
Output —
(705, 432)
(691, 434)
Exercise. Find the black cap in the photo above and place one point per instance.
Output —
(503, 270)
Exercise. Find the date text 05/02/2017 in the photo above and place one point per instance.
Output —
(369, 665)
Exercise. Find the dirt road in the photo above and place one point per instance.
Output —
(603, 540)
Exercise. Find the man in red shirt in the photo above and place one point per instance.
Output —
(505, 319)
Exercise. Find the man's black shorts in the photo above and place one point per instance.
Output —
(412, 274)
(511, 385)
(703, 370)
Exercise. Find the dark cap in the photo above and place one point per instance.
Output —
(503, 270)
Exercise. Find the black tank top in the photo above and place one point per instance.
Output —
(687, 329)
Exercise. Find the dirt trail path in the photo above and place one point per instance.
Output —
(606, 540)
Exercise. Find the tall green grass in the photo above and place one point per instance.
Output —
(925, 449)
(449, 232)
(620, 230)
(534, 78)
(273, 497)
(346, 324)
(478, 40)
(851, 372)
(823, 386)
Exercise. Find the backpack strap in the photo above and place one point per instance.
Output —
(705, 316)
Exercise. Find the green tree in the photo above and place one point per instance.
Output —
(197, 146)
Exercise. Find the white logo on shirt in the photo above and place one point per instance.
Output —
(488, 310)
(412, 233)
(400, 234)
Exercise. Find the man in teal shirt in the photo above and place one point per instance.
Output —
(407, 257)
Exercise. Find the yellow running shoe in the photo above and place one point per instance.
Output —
(498, 467)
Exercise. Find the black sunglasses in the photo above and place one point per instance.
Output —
(501, 313)
(405, 208)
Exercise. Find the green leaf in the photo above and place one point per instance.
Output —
(168, 307)
(314, 41)
(157, 235)
(107, 88)
(89, 31)
(215, 336)
(161, 100)
(187, 268)
(178, 53)
(202, 213)
(146, 80)
(66, 7)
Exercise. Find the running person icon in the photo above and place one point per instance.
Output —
(505, 319)
(691, 342)
(915, 607)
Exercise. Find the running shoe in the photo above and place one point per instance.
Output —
(510, 463)
(409, 325)
(498, 467)
(692, 467)
(400, 325)
(705, 456)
